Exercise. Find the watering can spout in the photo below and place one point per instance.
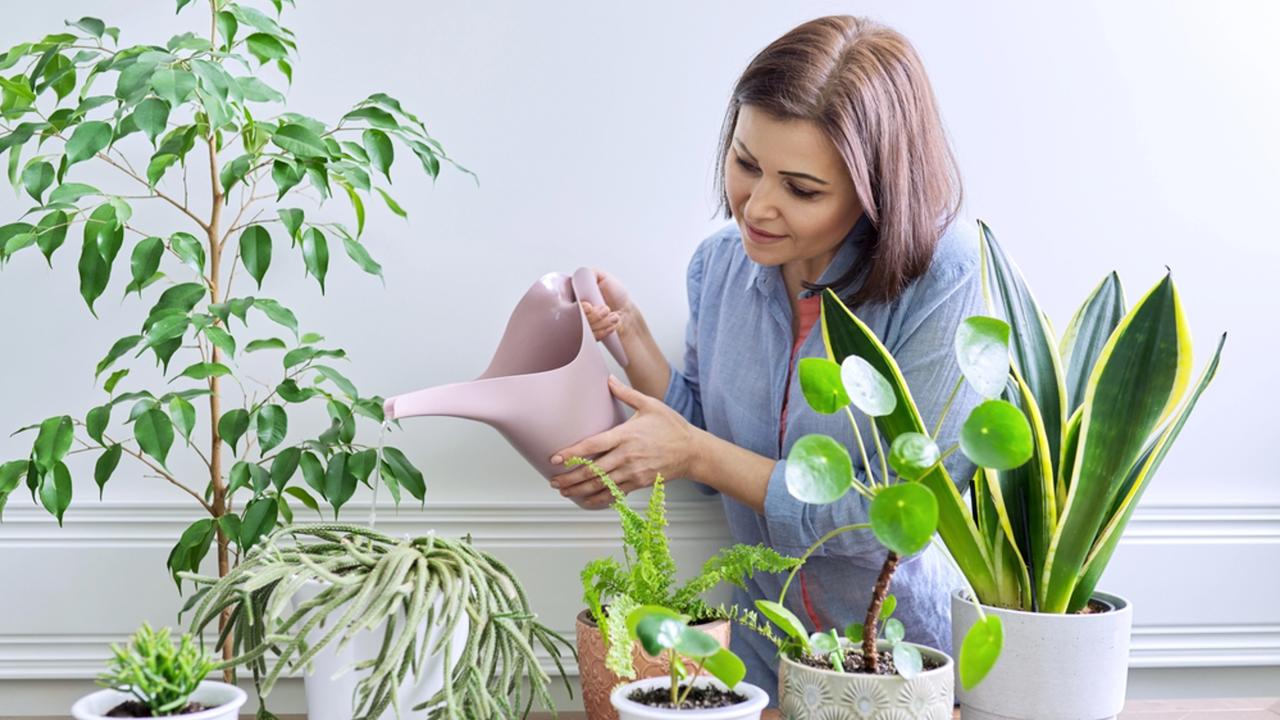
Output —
(547, 386)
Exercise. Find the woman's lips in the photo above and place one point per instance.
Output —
(760, 237)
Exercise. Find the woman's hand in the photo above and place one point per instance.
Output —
(612, 316)
(655, 440)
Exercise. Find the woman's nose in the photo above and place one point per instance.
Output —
(760, 206)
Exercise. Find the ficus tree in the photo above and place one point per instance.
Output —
(207, 107)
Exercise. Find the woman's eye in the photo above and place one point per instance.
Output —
(805, 194)
(746, 165)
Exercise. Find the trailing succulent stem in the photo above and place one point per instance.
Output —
(371, 581)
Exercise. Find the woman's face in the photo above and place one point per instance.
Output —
(789, 190)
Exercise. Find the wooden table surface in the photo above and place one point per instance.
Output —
(1215, 709)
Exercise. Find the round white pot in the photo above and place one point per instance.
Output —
(1052, 666)
(330, 684)
(223, 700)
(809, 693)
(628, 710)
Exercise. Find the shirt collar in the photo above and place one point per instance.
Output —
(848, 252)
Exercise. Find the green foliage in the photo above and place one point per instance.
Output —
(662, 630)
(369, 578)
(648, 575)
(144, 119)
(159, 674)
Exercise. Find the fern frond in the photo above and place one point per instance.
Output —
(602, 580)
(618, 646)
(734, 565)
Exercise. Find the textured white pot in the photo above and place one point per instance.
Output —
(223, 700)
(1052, 667)
(628, 710)
(809, 693)
(330, 683)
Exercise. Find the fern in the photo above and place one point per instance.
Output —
(612, 590)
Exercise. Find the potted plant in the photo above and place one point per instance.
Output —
(150, 677)
(1099, 411)
(869, 670)
(612, 590)
(382, 625)
(205, 106)
(681, 693)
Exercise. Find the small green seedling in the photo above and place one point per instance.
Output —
(659, 630)
(906, 658)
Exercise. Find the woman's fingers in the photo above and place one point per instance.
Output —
(601, 318)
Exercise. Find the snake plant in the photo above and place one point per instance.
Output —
(371, 579)
(1104, 406)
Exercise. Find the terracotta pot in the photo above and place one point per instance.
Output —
(598, 681)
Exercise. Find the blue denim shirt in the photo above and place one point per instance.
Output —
(736, 369)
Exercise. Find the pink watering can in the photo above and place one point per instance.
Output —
(547, 386)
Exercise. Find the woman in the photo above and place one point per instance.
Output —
(836, 173)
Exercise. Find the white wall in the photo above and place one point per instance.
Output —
(1092, 136)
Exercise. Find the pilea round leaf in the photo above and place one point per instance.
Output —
(996, 435)
(982, 350)
(821, 384)
(980, 650)
(869, 391)
(912, 454)
(904, 517)
(818, 470)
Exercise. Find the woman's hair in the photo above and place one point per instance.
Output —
(864, 86)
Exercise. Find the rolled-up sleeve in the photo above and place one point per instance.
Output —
(925, 355)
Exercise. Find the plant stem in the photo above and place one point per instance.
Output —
(862, 447)
(675, 679)
(884, 465)
(215, 399)
(870, 658)
(845, 528)
(947, 407)
(693, 677)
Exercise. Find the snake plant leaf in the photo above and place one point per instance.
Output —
(904, 517)
(868, 390)
(785, 619)
(844, 334)
(726, 667)
(1139, 476)
(821, 384)
(996, 435)
(818, 470)
(1032, 348)
(1029, 495)
(912, 454)
(1013, 578)
(1140, 377)
(1087, 334)
(982, 350)
(980, 650)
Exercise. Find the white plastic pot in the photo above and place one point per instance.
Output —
(757, 699)
(330, 684)
(223, 701)
(809, 693)
(1052, 666)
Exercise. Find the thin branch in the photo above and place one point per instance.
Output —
(162, 473)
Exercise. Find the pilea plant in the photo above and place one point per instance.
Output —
(369, 580)
(902, 512)
(159, 674)
(662, 630)
(647, 576)
(206, 107)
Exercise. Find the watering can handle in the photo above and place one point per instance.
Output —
(585, 288)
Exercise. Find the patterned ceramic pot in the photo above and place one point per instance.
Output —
(750, 709)
(807, 693)
(598, 681)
